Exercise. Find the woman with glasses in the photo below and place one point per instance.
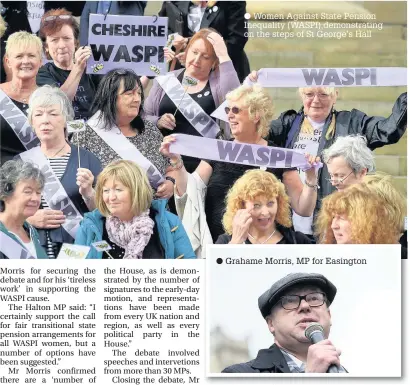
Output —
(356, 215)
(258, 212)
(250, 109)
(348, 160)
(117, 129)
(133, 224)
(23, 58)
(59, 32)
(208, 62)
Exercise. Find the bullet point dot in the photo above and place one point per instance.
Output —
(247, 16)
(219, 261)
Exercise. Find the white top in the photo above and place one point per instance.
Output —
(195, 15)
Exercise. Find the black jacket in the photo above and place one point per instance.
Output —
(267, 361)
(228, 20)
(290, 237)
(378, 130)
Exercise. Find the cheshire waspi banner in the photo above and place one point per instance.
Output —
(122, 41)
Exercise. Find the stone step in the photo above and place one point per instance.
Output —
(397, 149)
(393, 165)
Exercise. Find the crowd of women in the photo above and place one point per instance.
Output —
(117, 179)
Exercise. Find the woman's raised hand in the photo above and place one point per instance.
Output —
(81, 56)
(85, 179)
(240, 226)
(311, 173)
(169, 54)
(219, 46)
(253, 76)
(164, 149)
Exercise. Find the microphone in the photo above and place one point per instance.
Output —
(315, 333)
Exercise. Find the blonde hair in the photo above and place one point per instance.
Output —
(393, 200)
(259, 104)
(23, 39)
(251, 185)
(3, 26)
(131, 176)
(364, 209)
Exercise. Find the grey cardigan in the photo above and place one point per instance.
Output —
(223, 80)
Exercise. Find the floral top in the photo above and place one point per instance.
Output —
(147, 143)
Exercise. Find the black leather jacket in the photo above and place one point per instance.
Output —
(378, 130)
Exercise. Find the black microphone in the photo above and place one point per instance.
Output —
(315, 333)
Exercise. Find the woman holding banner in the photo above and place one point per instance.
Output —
(249, 110)
(69, 171)
(131, 224)
(20, 190)
(258, 212)
(318, 124)
(23, 57)
(356, 215)
(59, 32)
(208, 63)
(117, 130)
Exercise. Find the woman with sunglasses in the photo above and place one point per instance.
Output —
(59, 32)
(117, 111)
(250, 109)
(208, 62)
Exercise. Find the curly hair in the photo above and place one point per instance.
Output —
(394, 201)
(259, 104)
(365, 210)
(251, 185)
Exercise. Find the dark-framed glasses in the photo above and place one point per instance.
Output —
(235, 110)
(55, 17)
(338, 181)
(320, 95)
(292, 301)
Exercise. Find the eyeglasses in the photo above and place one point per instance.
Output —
(55, 17)
(311, 96)
(339, 180)
(235, 110)
(291, 302)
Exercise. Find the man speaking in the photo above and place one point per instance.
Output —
(296, 309)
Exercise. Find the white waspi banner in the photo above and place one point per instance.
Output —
(240, 153)
(332, 77)
(324, 77)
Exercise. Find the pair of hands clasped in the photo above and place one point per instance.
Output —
(53, 219)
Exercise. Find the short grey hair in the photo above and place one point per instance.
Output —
(47, 96)
(14, 171)
(353, 149)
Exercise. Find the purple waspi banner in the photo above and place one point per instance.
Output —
(133, 42)
(240, 153)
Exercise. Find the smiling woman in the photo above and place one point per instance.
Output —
(23, 58)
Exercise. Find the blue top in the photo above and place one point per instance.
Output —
(172, 235)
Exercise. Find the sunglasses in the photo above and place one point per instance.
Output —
(55, 17)
(235, 110)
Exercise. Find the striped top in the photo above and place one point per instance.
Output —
(58, 165)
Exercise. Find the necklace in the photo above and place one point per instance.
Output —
(266, 240)
(57, 152)
(16, 91)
